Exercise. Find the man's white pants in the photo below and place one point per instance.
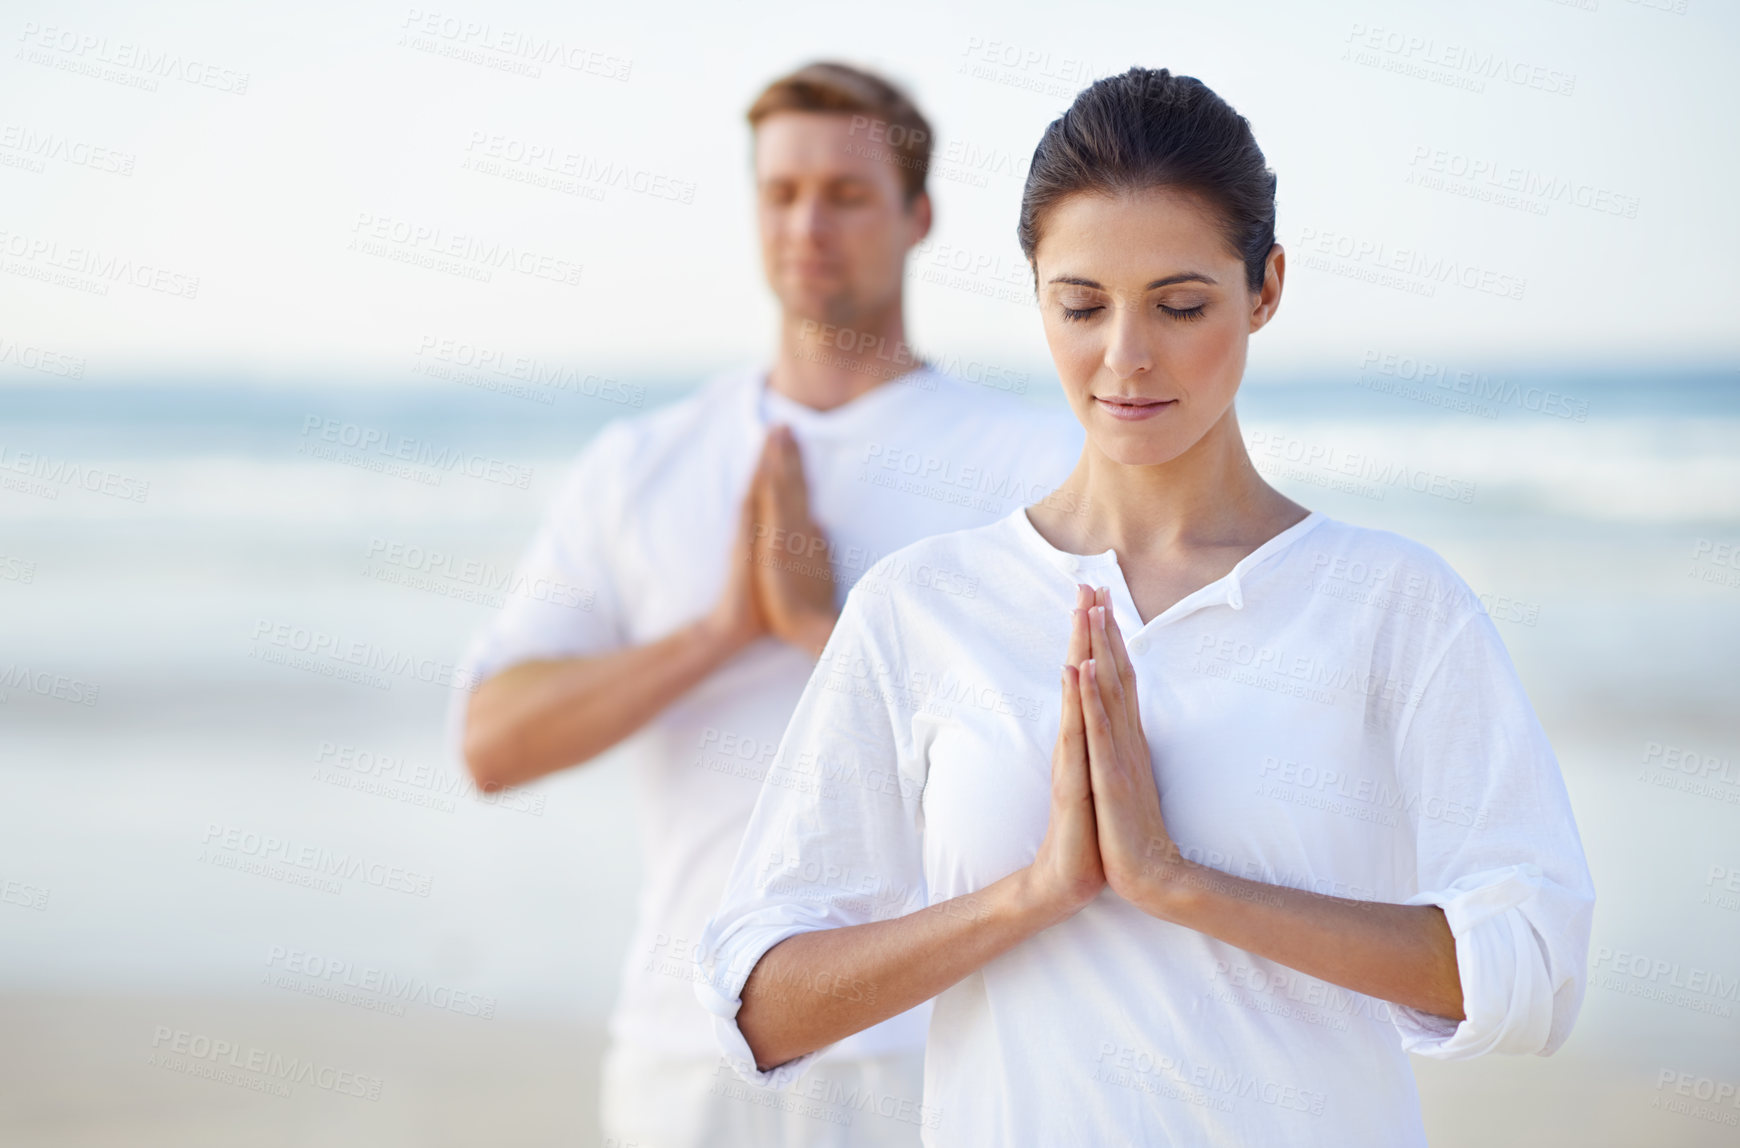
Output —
(652, 1100)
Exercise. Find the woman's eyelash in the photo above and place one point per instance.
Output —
(1185, 314)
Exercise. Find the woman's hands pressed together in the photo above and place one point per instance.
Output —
(1067, 873)
(1136, 851)
(1106, 826)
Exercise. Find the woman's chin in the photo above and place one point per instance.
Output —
(1134, 448)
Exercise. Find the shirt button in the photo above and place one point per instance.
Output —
(1138, 645)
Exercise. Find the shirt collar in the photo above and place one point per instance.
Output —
(1228, 588)
(767, 407)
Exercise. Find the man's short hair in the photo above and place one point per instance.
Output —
(883, 115)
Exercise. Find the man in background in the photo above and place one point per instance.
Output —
(716, 538)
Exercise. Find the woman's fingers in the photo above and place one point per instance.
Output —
(1110, 677)
(1069, 766)
(1071, 739)
(1096, 722)
(1067, 867)
(1077, 651)
(1069, 759)
(1126, 671)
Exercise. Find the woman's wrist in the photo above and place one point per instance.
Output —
(1032, 906)
(1172, 888)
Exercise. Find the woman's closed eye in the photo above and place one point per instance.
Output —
(1182, 314)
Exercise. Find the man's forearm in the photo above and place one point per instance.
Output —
(811, 635)
(539, 717)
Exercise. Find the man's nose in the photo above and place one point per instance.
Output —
(809, 218)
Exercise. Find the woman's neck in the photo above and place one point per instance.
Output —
(1209, 497)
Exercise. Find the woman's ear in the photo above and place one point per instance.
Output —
(1268, 300)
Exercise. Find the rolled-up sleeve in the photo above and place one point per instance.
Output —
(836, 835)
(1498, 850)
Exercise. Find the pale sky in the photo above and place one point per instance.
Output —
(277, 135)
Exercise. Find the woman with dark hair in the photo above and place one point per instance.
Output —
(1270, 832)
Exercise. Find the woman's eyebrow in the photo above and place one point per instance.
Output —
(1181, 277)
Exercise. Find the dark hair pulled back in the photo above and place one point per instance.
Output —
(1151, 129)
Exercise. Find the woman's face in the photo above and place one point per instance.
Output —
(1147, 315)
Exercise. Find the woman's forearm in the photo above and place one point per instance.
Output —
(816, 988)
(1405, 954)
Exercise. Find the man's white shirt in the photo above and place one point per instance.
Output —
(1336, 714)
(636, 546)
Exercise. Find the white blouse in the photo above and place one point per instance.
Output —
(1336, 714)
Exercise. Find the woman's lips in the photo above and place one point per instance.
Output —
(1134, 409)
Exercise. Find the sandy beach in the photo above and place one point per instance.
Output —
(80, 1073)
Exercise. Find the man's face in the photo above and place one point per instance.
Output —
(835, 224)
